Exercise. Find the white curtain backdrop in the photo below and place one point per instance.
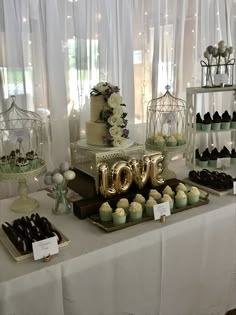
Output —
(53, 51)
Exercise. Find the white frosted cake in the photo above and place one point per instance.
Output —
(107, 124)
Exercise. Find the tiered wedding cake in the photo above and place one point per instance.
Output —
(107, 124)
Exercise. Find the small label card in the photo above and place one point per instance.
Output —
(221, 78)
(223, 162)
(234, 187)
(46, 247)
(161, 209)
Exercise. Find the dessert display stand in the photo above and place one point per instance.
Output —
(24, 203)
(192, 94)
(86, 158)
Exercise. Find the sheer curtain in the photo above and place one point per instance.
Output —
(53, 51)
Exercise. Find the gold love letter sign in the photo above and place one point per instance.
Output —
(119, 178)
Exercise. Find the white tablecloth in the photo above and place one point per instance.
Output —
(184, 267)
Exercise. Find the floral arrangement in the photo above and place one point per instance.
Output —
(113, 115)
(218, 56)
(59, 179)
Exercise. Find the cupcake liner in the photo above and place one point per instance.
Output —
(180, 203)
(198, 126)
(203, 164)
(119, 219)
(212, 163)
(233, 125)
(135, 215)
(149, 211)
(206, 127)
(192, 199)
(216, 126)
(105, 216)
(225, 125)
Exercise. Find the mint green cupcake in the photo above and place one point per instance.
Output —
(171, 141)
(193, 195)
(105, 212)
(135, 211)
(151, 202)
(119, 216)
(181, 199)
(168, 198)
(226, 121)
(124, 204)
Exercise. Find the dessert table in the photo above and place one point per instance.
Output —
(183, 267)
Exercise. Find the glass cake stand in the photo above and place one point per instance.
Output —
(24, 203)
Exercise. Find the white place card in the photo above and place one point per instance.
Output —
(234, 188)
(223, 162)
(46, 247)
(161, 209)
(221, 78)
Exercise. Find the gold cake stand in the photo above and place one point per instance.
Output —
(24, 203)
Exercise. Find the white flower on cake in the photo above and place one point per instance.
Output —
(115, 100)
(115, 120)
(101, 86)
(115, 131)
(118, 111)
(135, 206)
(119, 141)
(194, 191)
(105, 207)
(119, 212)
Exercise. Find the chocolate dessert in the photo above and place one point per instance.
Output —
(225, 153)
(226, 117)
(207, 119)
(26, 230)
(216, 117)
(198, 118)
(216, 180)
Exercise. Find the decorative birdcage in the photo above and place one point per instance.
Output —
(21, 151)
(166, 127)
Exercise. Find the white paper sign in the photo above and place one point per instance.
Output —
(161, 209)
(234, 188)
(221, 78)
(223, 162)
(46, 247)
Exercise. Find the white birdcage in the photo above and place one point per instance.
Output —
(166, 127)
(21, 149)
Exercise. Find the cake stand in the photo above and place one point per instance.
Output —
(24, 203)
(168, 152)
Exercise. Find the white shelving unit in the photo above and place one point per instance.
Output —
(192, 134)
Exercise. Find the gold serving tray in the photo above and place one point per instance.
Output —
(14, 251)
(110, 227)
